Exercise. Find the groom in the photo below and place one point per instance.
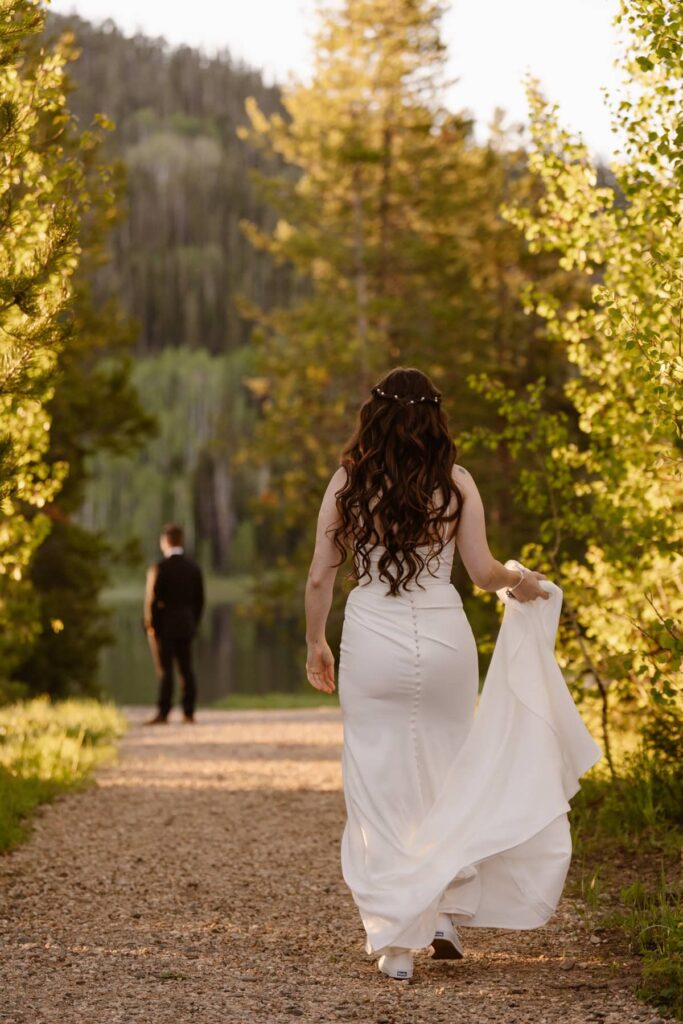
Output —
(174, 599)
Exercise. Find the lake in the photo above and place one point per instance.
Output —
(233, 654)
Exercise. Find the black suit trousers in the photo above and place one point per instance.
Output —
(176, 650)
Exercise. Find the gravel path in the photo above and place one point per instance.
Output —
(199, 883)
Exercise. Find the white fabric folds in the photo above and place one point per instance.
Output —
(448, 810)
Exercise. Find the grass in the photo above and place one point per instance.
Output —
(47, 749)
(628, 836)
(275, 700)
(653, 919)
(221, 589)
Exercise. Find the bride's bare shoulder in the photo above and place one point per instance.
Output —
(339, 477)
(461, 475)
(337, 481)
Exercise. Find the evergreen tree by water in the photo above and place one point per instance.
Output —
(390, 217)
(94, 408)
(40, 201)
(57, 200)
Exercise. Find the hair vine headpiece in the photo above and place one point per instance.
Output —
(406, 401)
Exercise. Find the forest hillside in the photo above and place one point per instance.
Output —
(187, 265)
(179, 265)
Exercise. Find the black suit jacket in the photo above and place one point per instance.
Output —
(177, 597)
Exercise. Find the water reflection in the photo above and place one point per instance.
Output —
(232, 655)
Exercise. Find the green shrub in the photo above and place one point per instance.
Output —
(654, 921)
(662, 984)
(48, 748)
(640, 811)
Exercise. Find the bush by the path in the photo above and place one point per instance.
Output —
(46, 749)
(628, 836)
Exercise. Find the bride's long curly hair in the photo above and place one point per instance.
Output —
(399, 487)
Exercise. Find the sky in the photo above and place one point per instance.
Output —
(568, 44)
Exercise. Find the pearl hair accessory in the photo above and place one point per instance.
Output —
(407, 401)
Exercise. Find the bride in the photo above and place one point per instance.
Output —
(437, 833)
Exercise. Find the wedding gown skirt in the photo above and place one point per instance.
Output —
(448, 811)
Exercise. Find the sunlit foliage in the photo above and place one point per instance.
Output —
(611, 498)
(39, 197)
(64, 387)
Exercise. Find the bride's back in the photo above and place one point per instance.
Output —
(437, 570)
(438, 563)
(399, 505)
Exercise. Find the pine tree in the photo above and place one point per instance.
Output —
(389, 217)
(64, 385)
(94, 408)
(39, 222)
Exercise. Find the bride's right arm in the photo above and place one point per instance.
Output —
(484, 570)
(319, 589)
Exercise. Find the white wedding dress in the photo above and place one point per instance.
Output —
(448, 811)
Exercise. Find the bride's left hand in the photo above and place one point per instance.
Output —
(320, 666)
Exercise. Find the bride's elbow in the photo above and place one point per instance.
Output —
(484, 578)
(318, 576)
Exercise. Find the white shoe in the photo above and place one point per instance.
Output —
(397, 963)
(446, 942)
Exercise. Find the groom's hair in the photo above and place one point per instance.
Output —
(173, 534)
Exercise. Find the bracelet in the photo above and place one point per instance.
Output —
(510, 592)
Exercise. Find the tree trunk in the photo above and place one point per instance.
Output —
(361, 282)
